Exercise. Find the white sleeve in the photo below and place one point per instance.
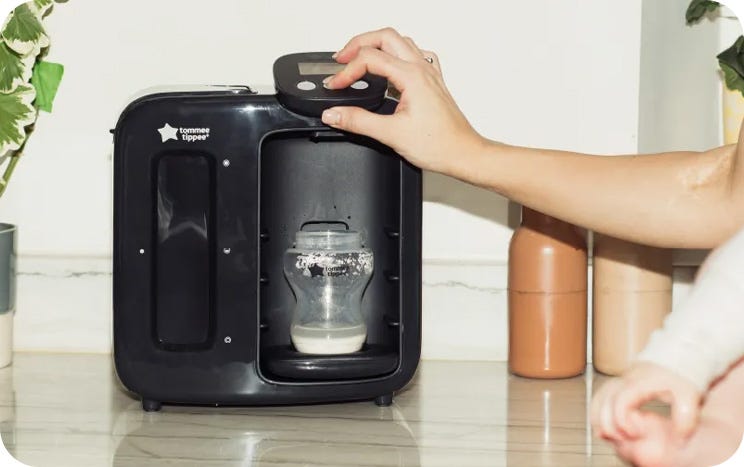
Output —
(705, 335)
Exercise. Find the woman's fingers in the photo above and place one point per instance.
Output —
(427, 128)
(388, 40)
(427, 55)
(361, 121)
(374, 61)
(412, 43)
(434, 60)
(372, 51)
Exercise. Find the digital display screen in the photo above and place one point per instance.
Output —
(319, 68)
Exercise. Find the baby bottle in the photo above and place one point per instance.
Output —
(328, 271)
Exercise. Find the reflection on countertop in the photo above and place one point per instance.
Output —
(69, 410)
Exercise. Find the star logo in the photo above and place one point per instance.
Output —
(168, 132)
(316, 270)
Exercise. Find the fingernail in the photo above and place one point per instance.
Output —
(326, 82)
(334, 55)
(331, 117)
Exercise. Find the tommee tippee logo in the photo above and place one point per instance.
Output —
(188, 135)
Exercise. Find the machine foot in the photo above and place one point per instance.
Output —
(384, 401)
(151, 405)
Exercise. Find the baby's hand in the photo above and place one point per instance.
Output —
(616, 408)
(658, 444)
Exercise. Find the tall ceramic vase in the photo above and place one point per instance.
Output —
(632, 294)
(547, 295)
(733, 114)
(7, 291)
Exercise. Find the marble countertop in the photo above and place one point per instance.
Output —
(69, 410)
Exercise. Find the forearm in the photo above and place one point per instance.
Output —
(719, 432)
(680, 200)
(711, 444)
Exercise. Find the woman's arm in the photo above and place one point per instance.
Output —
(679, 199)
(671, 200)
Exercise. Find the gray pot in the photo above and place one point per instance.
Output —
(7, 267)
(8, 234)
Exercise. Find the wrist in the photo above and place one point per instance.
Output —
(471, 164)
(683, 366)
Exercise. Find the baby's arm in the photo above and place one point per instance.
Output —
(702, 338)
(721, 421)
(699, 342)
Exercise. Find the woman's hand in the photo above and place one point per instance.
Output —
(618, 418)
(427, 128)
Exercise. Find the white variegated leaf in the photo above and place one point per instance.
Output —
(23, 31)
(16, 113)
(41, 6)
(14, 69)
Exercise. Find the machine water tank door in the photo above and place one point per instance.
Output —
(184, 241)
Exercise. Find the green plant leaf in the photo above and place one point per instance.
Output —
(734, 81)
(16, 113)
(41, 6)
(698, 9)
(732, 64)
(14, 69)
(23, 32)
(46, 78)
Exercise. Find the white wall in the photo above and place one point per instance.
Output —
(540, 73)
(680, 93)
(524, 72)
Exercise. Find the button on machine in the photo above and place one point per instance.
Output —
(360, 85)
(306, 85)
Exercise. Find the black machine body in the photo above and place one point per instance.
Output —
(209, 188)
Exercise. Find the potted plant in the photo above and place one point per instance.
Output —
(27, 84)
(731, 62)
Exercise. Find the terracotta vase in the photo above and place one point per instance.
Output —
(547, 298)
(632, 294)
